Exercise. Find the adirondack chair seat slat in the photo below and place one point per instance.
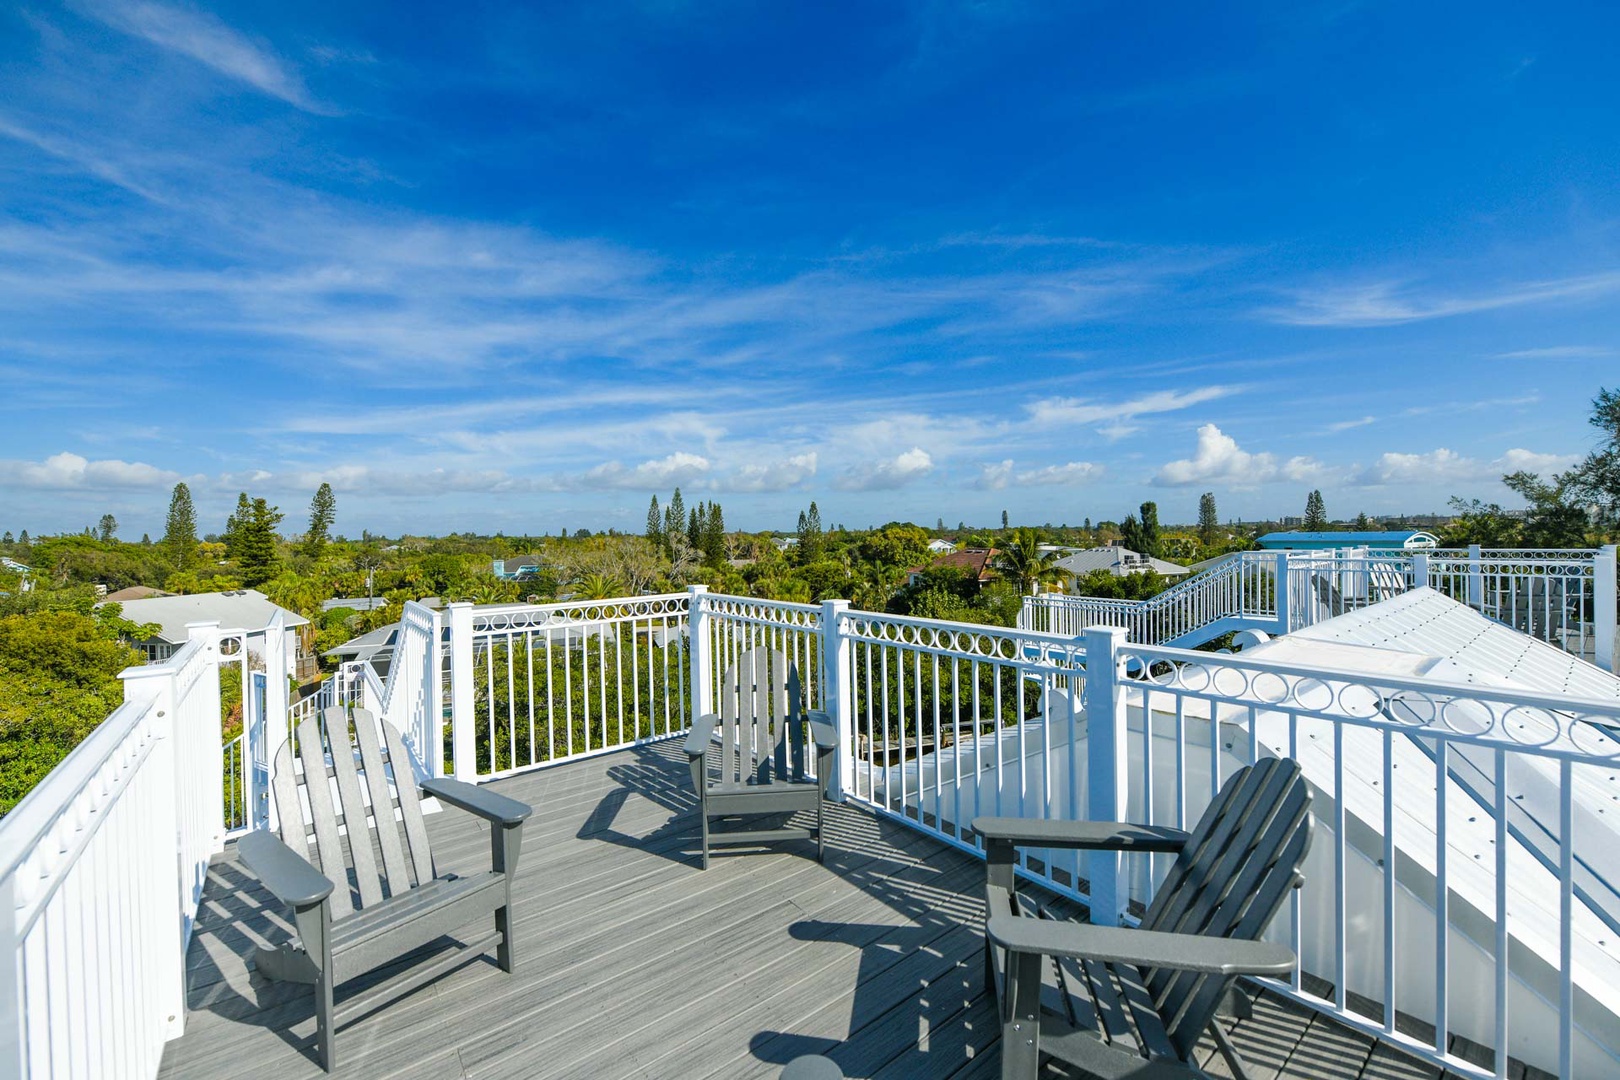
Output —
(374, 895)
(1134, 1002)
(758, 740)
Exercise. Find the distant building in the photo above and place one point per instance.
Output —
(1115, 560)
(241, 609)
(976, 561)
(355, 603)
(519, 568)
(1409, 539)
(134, 592)
(942, 547)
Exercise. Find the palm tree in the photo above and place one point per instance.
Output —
(1023, 562)
(598, 587)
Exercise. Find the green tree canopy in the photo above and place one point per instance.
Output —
(1316, 519)
(180, 530)
(1209, 523)
(322, 512)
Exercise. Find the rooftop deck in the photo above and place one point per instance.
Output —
(634, 963)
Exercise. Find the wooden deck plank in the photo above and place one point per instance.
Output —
(635, 963)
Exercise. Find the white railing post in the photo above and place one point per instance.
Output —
(463, 728)
(153, 688)
(1280, 591)
(1476, 579)
(12, 1017)
(701, 679)
(433, 698)
(275, 699)
(835, 691)
(1605, 583)
(1107, 765)
(1420, 570)
(212, 752)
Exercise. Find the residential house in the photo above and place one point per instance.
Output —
(134, 592)
(247, 610)
(977, 561)
(941, 547)
(1115, 560)
(518, 568)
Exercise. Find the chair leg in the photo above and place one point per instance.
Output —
(503, 952)
(325, 1047)
(704, 815)
(1229, 1052)
(1021, 1017)
(821, 830)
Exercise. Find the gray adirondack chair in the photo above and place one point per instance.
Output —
(1133, 1003)
(763, 753)
(353, 916)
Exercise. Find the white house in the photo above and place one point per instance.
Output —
(240, 609)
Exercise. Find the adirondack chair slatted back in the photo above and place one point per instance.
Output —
(1229, 881)
(761, 714)
(372, 814)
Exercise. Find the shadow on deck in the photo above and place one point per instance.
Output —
(632, 962)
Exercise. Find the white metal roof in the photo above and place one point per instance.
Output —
(240, 609)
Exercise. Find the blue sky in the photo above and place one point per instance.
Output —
(493, 266)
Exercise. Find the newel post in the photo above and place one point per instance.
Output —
(1280, 575)
(211, 750)
(1107, 764)
(1476, 579)
(837, 691)
(1420, 570)
(701, 679)
(463, 726)
(152, 688)
(1605, 582)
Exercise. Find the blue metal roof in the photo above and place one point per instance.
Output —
(1390, 538)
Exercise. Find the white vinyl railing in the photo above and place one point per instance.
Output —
(1566, 598)
(101, 871)
(540, 684)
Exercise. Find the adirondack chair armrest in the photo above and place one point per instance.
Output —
(1143, 948)
(289, 877)
(822, 730)
(702, 733)
(487, 804)
(1088, 835)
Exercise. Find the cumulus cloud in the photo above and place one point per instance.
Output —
(1447, 466)
(680, 467)
(1218, 458)
(773, 475)
(890, 474)
(69, 472)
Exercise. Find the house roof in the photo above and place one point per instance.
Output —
(975, 561)
(1111, 559)
(1387, 538)
(1464, 646)
(134, 592)
(240, 609)
(367, 645)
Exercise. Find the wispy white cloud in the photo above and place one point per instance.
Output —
(1390, 303)
(678, 468)
(1073, 412)
(1346, 425)
(1560, 352)
(1075, 472)
(209, 41)
(994, 477)
(888, 475)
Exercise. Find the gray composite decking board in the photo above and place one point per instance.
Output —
(634, 963)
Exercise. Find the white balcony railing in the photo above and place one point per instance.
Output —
(1566, 598)
(1463, 875)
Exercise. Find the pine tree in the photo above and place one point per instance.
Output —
(22, 537)
(655, 524)
(6, 539)
(234, 526)
(1004, 520)
(108, 527)
(810, 536)
(714, 536)
(1316, 519)
(1208, 522)
(675, 514)
(1150, 529)
(322, 512)
(257, 557)
(1362, 524)
(146, 538)
(694, 526)
(1130, 534)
